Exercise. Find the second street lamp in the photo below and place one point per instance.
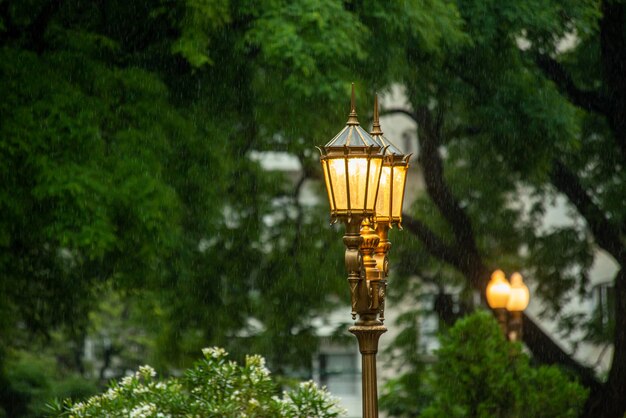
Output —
(513, 297)
(518, 301)
(498, 292)
(390, 193)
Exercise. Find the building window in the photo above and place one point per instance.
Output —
(604, 304)
(338, 372)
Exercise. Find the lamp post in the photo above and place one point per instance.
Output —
(513, 297)
(390, 194)
(498, 292)
(518, 301)
(353, 163)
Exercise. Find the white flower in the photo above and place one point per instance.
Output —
(143, 411)
(141, 389)
(214, 352)
(309, 384)
(146, 371)
(258, 370)
(110, 394)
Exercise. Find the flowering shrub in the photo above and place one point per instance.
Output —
(213, 387)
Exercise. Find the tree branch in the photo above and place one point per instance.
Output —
(605, 234)
(464, 131)
(434, 244)
(450, 209)
(588, 100)
(613, 61)
(399, 111)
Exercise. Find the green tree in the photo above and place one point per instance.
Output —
(127, 133)
(480, 374)
(33, 379)
(127, 130)
(528, 102)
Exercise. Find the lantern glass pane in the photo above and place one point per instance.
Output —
(374, 178)
(357, 170)
(518, 301)
(328, 185)
(498, 294)
(383, 201)
(399, 176)
(337, 171)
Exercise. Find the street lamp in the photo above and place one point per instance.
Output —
(390, 194)
(513, 297)
(498, 292)
(518, 301)
(352, 163)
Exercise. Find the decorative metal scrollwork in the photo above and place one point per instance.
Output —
(382, 291)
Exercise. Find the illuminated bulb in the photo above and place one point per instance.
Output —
(498, 290)
(520, 296)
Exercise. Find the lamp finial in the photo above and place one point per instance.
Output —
(376, 124)
(352, 119)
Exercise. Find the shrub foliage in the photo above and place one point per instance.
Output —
(213, 387)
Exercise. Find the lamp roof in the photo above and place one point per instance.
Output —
(353, 135)
(378, 135)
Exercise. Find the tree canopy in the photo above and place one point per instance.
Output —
(128, 188)
(126, 135)
(526, 108)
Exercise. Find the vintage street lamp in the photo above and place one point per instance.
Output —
(498, 292)
(352, 163)
(390, 195)
(518, 301)
(513, 297)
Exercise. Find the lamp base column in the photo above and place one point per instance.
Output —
(367, 336)
(501, 316)
(515, 326)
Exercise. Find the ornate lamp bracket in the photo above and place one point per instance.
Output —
(352, 240)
